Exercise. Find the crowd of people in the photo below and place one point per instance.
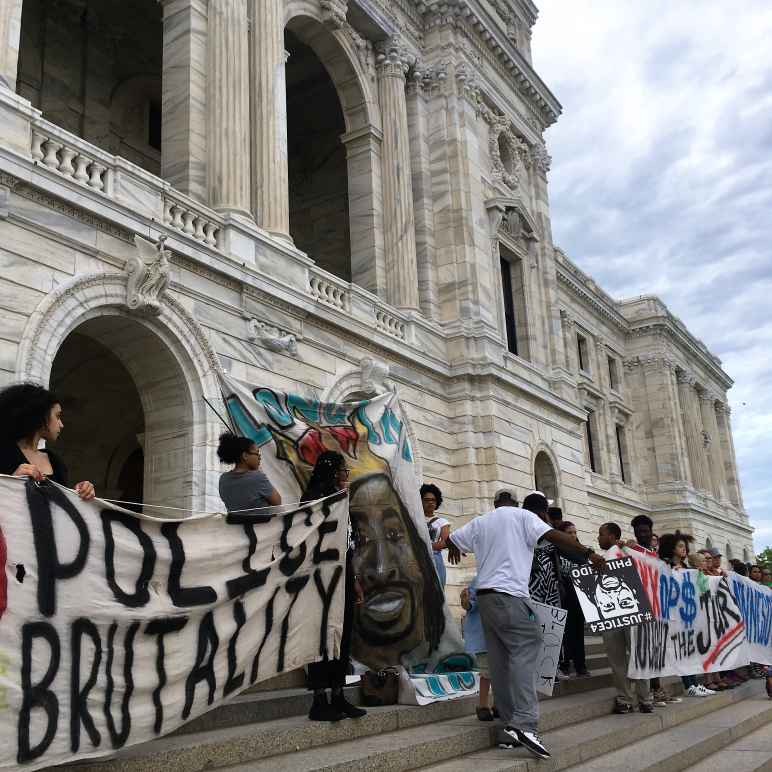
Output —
(522, 553)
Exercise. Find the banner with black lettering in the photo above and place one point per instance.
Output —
(698, 626)
(116, 628)
(404, 619)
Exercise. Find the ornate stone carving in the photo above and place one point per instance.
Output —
(507, 151)
(334, 13)
(542, 160)
(566, 319)
(271, 337)
(374, 375)
(148, 276)
(364, 49)
(706, 439)
(392, 58)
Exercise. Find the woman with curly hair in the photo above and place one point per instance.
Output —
(329, 476)
(31, 414)
(245, 486)
(439, 527)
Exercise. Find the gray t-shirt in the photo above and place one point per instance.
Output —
(244, 490)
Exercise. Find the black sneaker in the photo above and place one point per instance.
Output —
(529, 740)
(340, 703)
(321, 710)
(621, 708)
(646, 708)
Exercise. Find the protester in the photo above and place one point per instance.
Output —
(329, 476)
(474, 644)
(503, 542)
(642, 526)
(738, 567)
(505, 498)
(31, 415)
(766, 577)
(757, 671)
(244, 487)
(756, 574)
(617, 644)
(715, 556)
(674, 550)
(573, 635)
(555, 517)
(654, 541)
(439, 527)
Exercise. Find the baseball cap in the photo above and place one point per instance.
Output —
(505, 493)
(714, 553)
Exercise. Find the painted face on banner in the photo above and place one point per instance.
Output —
(390, 622)
(614, 598)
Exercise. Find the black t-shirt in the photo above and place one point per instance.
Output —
(11, 458)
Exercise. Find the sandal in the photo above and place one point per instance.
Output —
(483, 714)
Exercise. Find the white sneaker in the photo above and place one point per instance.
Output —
(707, 692)
(696, 691)
(529, 740)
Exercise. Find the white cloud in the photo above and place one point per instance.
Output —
(662, 178)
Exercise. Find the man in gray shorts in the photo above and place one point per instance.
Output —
(503, 542)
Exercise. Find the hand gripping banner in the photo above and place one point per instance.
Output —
(404, 619)
(117, 628)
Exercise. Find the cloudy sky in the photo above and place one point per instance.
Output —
(661, 179)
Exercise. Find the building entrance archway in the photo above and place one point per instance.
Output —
(544, 476)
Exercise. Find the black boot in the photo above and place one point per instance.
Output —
(321, 710)
(340, 703)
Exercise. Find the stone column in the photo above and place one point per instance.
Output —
(728, 462)
(183, 105)
(228, 107)
(713, 443)
(269, 104)
(695, 443)
(10, 36)
(398, 217)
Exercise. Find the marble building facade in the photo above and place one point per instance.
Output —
(335, 197)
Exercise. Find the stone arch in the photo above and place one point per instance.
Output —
(746, 555)
(349, 62)
(545, 474)
(728, 552)
(96, 305)
(708, 543)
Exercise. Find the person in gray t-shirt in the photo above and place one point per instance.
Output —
(245, 486)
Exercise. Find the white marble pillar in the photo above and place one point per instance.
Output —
(10, 36)
(713, 449)
(269, 103)
(228, 107)
(695, 444)
(723, 421)
(184, 102)
(398, 216)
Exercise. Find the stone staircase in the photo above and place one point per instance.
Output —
(266, 730)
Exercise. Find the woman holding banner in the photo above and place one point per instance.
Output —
(244, 487)
(329, 476)
(31, 415)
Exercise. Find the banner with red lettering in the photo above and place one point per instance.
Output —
(117, 628)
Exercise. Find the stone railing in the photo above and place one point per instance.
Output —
(186, 216)
(328, 289)
(71, 157)
(390, 324)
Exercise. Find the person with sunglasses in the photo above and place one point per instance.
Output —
(245, 486)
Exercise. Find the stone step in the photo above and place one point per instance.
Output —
(599, 679)
(584, 743)
(752, 753)
(684, 744)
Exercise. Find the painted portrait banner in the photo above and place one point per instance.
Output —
(117, 628)
(698, 626)
(404, 619)
(613, 598)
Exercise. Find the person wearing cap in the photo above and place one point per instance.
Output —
(503, 542)
(505, 498)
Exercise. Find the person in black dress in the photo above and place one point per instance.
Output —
(329, 476)
(30, 414)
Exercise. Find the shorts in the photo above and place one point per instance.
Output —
(482, 664)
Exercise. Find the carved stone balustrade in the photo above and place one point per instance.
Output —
(184, 215)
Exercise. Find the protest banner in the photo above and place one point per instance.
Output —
(613, 598)
(404, 619)
(552, 620)
(424, 689)
(755, 603)
(697, 627)
(117, 628)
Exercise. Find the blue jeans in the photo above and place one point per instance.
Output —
(689, 680)
(439, 564)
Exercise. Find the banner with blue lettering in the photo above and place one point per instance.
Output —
(698, 626)
(116, 628)
(755, 603)
(404, 619)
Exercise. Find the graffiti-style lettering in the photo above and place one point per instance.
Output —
(141, 594)
(79, 712)
(183, 597)
(160, 628)
(203, 669)
(118, 738)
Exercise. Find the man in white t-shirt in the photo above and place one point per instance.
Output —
(503, 542)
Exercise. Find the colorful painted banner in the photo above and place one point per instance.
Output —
(613, 598)
(117, 628)
(698, 626)
(440, 687)
(755, 603)
(404, 619)
(553, 622)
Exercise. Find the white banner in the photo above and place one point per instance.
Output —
(697, 628)
(426, 689)
(117, 628)
(553, 622)
(755, 603)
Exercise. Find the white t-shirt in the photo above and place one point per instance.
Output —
(503, 542)
(435, 525)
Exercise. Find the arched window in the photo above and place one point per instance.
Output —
(708, 543)
(746, 555)
(728, 552)
(544, 476)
